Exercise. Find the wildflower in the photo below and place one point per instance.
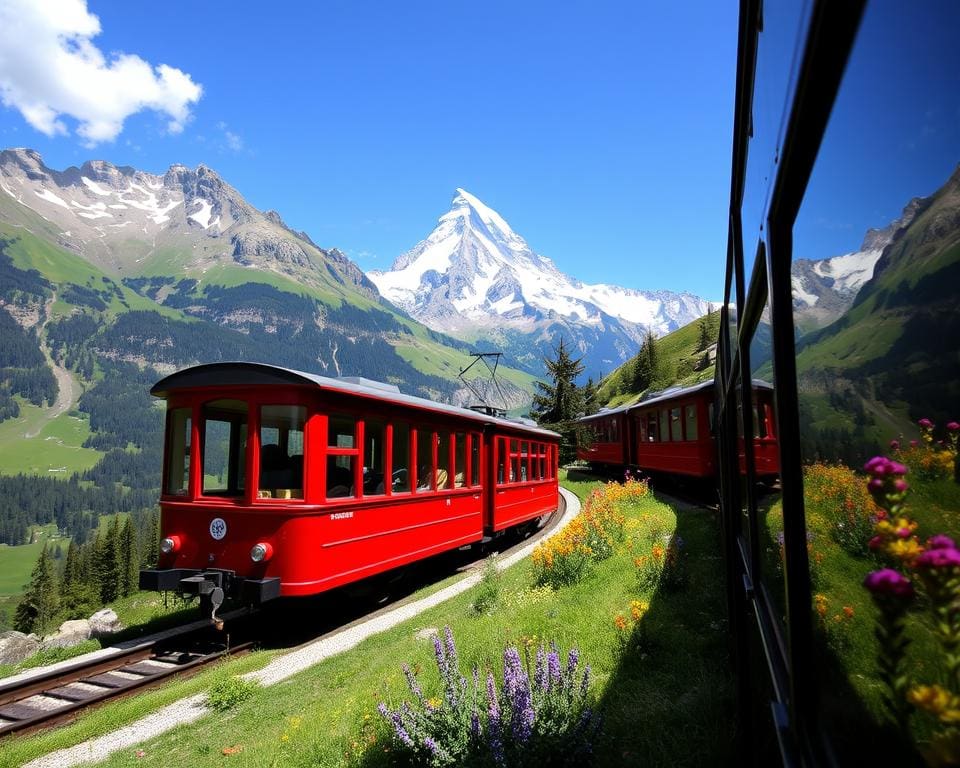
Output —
(620, 622)
(848, 611)
(953, 426)
(940, 541)
(936, 700)
(937, 558)
(894, 445)
(925, 424)
(887, 581)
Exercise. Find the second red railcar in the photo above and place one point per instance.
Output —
(672, 433)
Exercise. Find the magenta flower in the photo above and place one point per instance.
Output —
(875, 543)
(937, 558)
(925, 424)
(941, 541)
(894, 445)
(914, 443)
(953, 426)
(881, 466)
(887, 581)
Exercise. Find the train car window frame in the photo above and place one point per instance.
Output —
(690, 422)
(342, 461)
(238, 440)
(179, 443)
(291, 493)
(376, 435)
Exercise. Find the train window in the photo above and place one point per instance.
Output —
(690, 422)
(224, 447)
(400, 458)
(340, 475)
(178, 451)
(542, 461)
(460, 460)
(374, 458)
(444, 470)
(474, 458)
(425, 443)
(501, 460)
(524, 460)
(665, 425)
(676, 428)
(614, 431)
(281, 451)
(341, 431)
(652, 431)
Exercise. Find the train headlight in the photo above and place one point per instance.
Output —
(170, 545)
(261, 552)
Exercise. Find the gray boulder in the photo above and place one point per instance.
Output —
(16, 646)
(104, 622)
(70, 633)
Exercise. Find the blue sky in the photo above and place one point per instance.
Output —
(600, 131)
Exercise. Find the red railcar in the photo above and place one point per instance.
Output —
(605, 438)
(283, 483)
(672, 432)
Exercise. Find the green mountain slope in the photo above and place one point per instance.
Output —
(683, 361)
(894, 357)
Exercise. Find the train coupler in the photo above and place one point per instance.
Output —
(209, 587)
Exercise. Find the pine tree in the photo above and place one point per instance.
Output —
(562, 400)
(556, 405)
(646, 371)
(590, 405)
(78, 597)
(130, 561)
(109, 561)
(38, 607)
(706, 338)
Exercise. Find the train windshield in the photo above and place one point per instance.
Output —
(224, 447)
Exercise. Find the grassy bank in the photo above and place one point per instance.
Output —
(657, 654)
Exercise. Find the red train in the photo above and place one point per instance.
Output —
(283, 483)
(673, 433)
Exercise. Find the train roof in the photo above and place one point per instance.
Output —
(666, 395)
(261, 374)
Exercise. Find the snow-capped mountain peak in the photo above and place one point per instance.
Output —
(473, 272)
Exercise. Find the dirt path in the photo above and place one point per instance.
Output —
(68, 391)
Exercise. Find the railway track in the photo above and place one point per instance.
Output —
(53, 697)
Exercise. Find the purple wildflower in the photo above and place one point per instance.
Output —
(925, 424)
(937, 558)
(585, 683)
(440, 655)
(941, 541)
(572, 659)
(553, 665)
(540, 671)
(894, 445)
(452, 660)
(430, 744)
(887, 581)
(493, 722)
(412, 683)
(953, 426)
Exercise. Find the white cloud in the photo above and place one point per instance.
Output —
(50, 68)
(231, 140)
